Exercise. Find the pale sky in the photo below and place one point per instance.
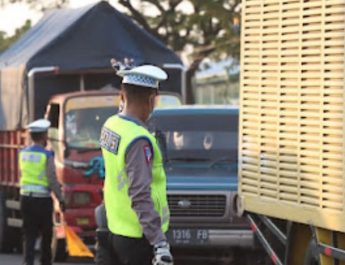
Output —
(14, 15)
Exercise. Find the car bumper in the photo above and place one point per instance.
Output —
(219, 238)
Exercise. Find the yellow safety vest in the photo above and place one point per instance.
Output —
(32, 165)
(117, 135)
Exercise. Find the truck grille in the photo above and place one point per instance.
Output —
(197, 205)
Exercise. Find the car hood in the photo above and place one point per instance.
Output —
(201, 177)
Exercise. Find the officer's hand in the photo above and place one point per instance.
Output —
(62, 206)
(162, 255)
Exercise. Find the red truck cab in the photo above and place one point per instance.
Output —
(76, 120)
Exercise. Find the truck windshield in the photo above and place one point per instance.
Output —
(83, 123)
(203, 136)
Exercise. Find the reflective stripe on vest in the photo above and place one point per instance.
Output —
(34, 188)
(116, 137)
(33, 167)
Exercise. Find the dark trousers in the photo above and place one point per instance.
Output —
(131, 251)
(104, 253)
(37, 216)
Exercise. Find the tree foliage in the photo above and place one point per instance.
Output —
(210, 27)
(5, 42)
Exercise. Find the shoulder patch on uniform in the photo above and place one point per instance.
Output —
(148, 153)
(110, 140)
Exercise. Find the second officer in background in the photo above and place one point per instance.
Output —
(37, 180)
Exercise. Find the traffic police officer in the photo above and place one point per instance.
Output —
(37, 180)
(135, 183)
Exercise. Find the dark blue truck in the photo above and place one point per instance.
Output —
(200, 147)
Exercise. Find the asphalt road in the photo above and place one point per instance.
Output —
(16, 259)
(179, 258)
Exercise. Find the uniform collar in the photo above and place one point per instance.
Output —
(37, 145)
(132, 119)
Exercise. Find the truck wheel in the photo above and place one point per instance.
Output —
(5, 237)
(311, 255)
(2, 223)
(59, 249)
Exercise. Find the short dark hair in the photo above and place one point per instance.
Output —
(37, 136)
(135, 93)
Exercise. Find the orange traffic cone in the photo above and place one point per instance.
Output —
(75, 246)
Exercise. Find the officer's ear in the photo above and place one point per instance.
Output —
(152, 99)
(122, 95)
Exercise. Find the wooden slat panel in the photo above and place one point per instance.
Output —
(292, 108)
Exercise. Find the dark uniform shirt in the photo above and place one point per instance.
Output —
(53, 183)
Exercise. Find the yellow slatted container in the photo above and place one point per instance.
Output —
(292, 154)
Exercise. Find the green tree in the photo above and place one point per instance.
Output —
(211, 27)
(5, 42)
(3, 45)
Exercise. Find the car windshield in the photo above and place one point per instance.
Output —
(83, 126)
(84, 118)
(206, 136)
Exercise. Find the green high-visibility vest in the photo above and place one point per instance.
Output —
(117, 135)
(33, 178)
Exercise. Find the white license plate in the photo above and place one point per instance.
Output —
(188, 236)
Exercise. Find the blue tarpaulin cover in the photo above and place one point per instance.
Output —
(73, 40)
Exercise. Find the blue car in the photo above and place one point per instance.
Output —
(200, 148)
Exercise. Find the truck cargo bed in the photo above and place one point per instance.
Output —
(10, 144)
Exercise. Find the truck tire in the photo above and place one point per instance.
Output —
(5, 237)
(2, 223)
